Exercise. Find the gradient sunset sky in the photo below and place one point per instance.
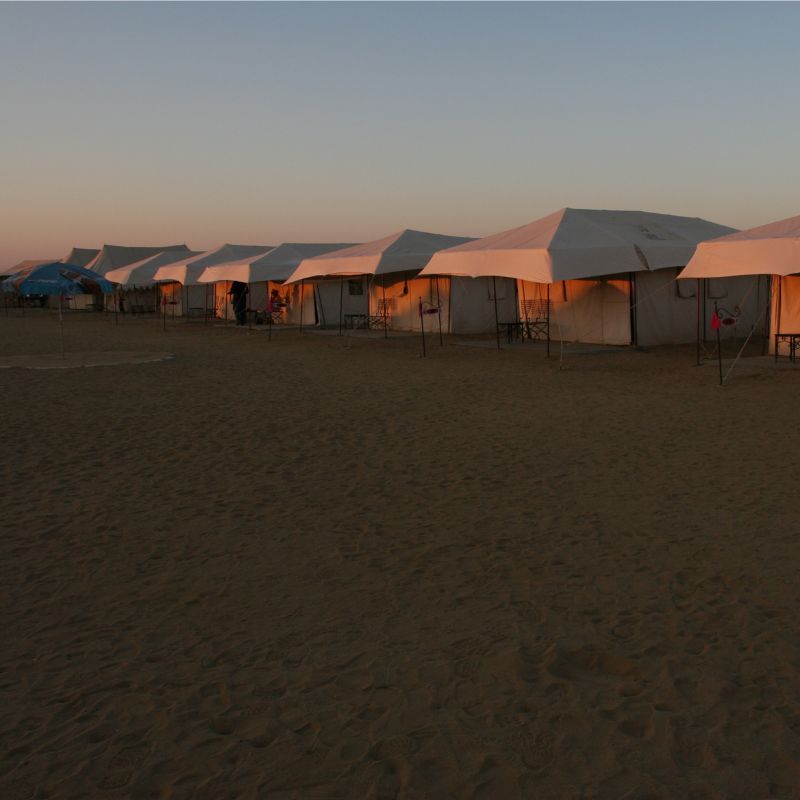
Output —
(263, 123)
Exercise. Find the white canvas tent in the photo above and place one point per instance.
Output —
(137, 280)
(268, 271)
(81, 256)
(111, 257)
(114, 256)
(606, 277)
(767, 250)
(393, 291)
(186, 273)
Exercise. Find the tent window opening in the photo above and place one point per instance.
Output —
(686, 289)
(716, 289)
(355, 287)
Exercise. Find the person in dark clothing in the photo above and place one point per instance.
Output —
(238, 294)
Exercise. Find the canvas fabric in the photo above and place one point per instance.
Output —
(579, 243)
(404, 251)
(772, 249)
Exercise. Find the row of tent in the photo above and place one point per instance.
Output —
(605, 277)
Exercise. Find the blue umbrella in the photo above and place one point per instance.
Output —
(57, 278)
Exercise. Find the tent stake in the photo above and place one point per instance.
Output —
(496, 321)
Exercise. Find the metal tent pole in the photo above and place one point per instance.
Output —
(439, 311)
(302, 298)
(422, 328)
(383, 311)
(496, 320)
(548, 320)
(341, 297)
(61, 326)
(450, 305)
(698, 321)
(719, 342)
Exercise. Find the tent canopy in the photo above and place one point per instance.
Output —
(27, 264)
(579, 243)
(406, 251)
(276, 265)
(81, 256)
(188, 270)
(772, 249)
(141, 273)
(114, 256)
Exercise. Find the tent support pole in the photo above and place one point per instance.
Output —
(383, 311)
(439, 311)
(61, 326)
(705, 322)
(450, 305)
(422, 328)
(632, 295)
(496, 320)
(548, 320)
(719, 343)
(302, 298)
(341, 297)
(698, 320)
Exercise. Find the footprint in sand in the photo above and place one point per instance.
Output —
(122, 767)
(535, 749)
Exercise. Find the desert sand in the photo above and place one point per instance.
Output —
(323, 567)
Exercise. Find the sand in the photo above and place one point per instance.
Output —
(323, 567)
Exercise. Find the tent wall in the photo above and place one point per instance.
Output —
(591, 311)
(471, 303)
(299, 297)
(403, 298)
(354, 294)
(261, 291)
(139, 299)
(181, 299)
(785, 308)
(666, 309)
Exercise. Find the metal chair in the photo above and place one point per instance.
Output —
(536, 319)
(383, 318)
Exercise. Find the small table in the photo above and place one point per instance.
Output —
(514, 330)
(793, 340)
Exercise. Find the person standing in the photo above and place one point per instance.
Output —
(238, 294)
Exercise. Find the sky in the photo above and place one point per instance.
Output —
(159, 123)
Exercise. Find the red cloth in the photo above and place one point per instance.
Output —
(715, 323)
